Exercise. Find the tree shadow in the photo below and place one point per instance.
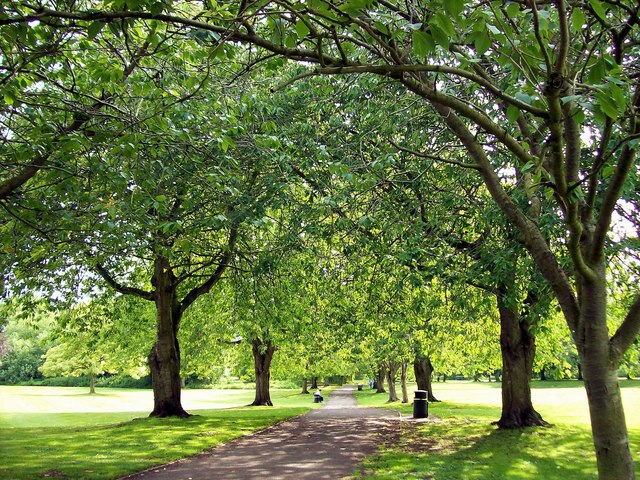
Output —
(468, 449)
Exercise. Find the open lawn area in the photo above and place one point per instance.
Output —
(50, 432)
(67, 433)
(463, 444)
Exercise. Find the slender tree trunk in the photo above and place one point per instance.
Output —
(517, 345)
(391, 371)
(403, 382)
(610, 436)
(305, 385)
(164, 359)
(262, 356)
(423, 370)
(92, 383)
(314, 383)
(543, 375)
(380, 380)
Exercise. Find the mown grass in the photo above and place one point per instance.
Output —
(61, 432)
(464, 445)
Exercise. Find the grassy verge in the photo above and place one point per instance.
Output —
(89, 445)
(463, 444)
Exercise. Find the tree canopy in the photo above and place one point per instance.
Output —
(150, 146)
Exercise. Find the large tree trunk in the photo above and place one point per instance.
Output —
(403, 383)
(423, 370)
(380, 380)
(392, 370)
(262, 356)
(164, 359)
(608, 424)
(517, 345)
(314, 383)
(305, 385)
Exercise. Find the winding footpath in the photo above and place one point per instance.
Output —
(327, 443)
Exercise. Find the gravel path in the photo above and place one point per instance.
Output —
(327, 443)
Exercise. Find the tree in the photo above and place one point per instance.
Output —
(97, 337)
(158, 214)
(550, 80)
(26, 327)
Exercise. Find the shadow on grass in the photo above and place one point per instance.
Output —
(111, 451)
(471, 449)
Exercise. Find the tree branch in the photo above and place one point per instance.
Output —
(118, 287)
(205, 287)
(534, 240)
(627, 157)
(626, 333)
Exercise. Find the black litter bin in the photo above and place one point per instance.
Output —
(420, 404)
(359, 387)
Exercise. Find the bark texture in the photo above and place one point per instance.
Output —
(262, 355)
(608, 424)
(423, 370)
(517, 345)
(391, 372)
(164, 359)
(380, 374)
(305, 385)
(403, 383)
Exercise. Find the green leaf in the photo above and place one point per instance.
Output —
(454, 7)
(226, 143)
(578, 115)
(9, 99)
(513, 9)
(301, 29)
(513, 113)
(577, 19)
(523, 97)
(482, 43)
(94, 29)
(445, 23)
(440, 36)
(355, 7)
(156, 8)
(382, 28)
(422, 43)
(161, 198)
(597, 72)
(598, 8)
(290, 41)
(608, 105)
(570, 98)
(618, 96)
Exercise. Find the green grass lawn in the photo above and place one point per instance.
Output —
(463, 444)
(48, 432)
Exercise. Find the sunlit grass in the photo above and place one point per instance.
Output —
(64, 431)
(33, 406)
(464, 445)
